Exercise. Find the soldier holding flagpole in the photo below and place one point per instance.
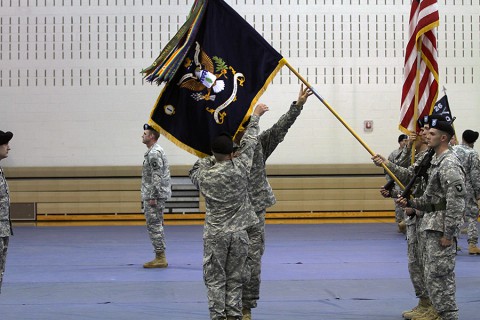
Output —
(222, 180)
(262, 197)
(443, 204)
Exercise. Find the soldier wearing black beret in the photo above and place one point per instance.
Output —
(471, 163)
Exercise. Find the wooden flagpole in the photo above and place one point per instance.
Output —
(325, 103)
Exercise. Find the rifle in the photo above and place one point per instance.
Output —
(389, 185)
(420, 171)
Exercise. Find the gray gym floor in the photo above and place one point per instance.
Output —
(325, 271)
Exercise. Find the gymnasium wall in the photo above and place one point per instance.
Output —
(72, 92)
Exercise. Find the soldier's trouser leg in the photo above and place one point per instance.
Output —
(253, 265)
(223, 262)
(154, 221)
(440, 275)
(471, 218)
(399, 214)
(3, 257)
(415, 261)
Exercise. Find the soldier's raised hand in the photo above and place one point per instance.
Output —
(303, 96)
(260, 109)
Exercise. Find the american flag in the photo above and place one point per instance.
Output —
(424, 18)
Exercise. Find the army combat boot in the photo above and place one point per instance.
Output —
(473, 249)
(247, 314)
(423, 306)
(431, 314)
(159, 262)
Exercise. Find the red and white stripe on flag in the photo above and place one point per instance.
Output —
(424, 18)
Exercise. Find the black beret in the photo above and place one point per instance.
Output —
(5, 137)
(444, 126)
(402, 137)
(223, 144)
(420, 122)
(146, 126)
(470, 136)
(426, 119)
(436, 117)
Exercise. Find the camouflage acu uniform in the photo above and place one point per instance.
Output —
(443, 204)
(415, 238)
(228, 214)
(155, 186)
(262, 197)
(5, 223)
(397, 157)
(471, 163)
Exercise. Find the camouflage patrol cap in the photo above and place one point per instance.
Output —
(444, 126)
(470, 136)
(223, 144)
(5, 137)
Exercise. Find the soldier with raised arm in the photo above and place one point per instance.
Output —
(262, 197)
(222, 180)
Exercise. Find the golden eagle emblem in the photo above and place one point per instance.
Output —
(206, 78)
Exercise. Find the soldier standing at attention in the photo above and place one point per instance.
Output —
(469, 159)
(5, 222)
(443, 204)
(262, 197)
(155, 191)
(222, 180)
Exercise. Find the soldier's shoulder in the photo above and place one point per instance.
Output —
(452, 159)
(157, 148)
(156, 151)
(452, 166)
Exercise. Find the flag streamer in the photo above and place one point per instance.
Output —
(167, 63)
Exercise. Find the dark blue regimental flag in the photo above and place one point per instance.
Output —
(443, 108)
(226, 69)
